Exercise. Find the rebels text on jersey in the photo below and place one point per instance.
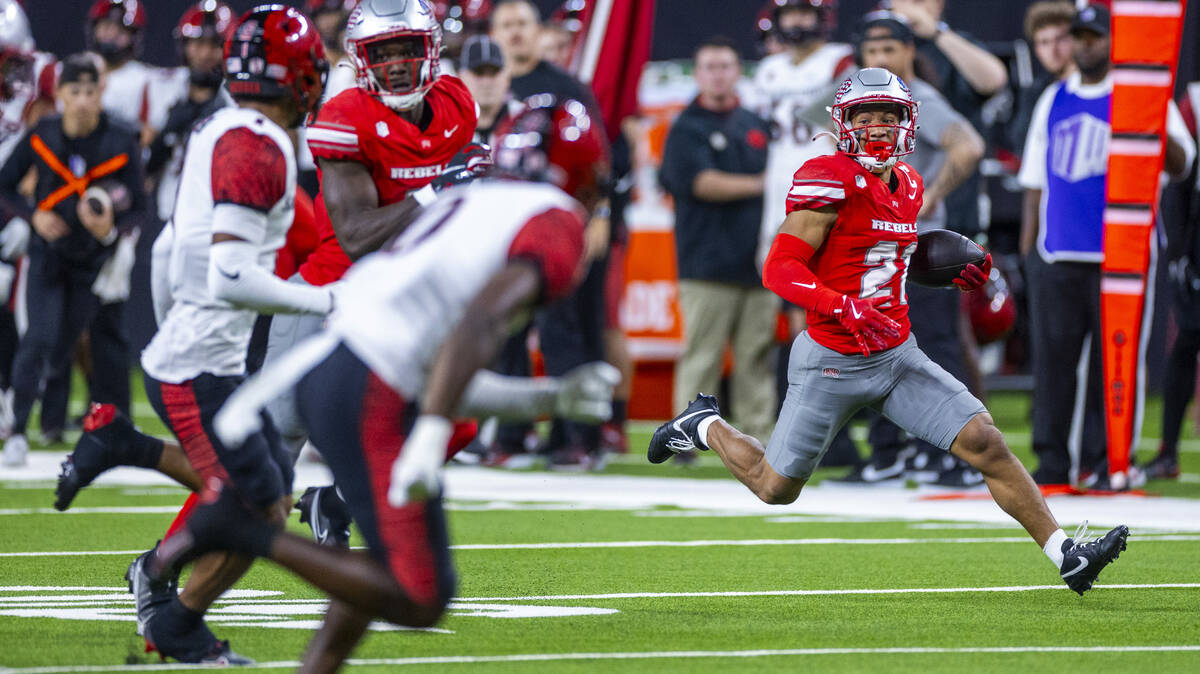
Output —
(401, 157)
(399, 304)
(866, 252)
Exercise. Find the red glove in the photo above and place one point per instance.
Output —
(871, 328)
(974, 278)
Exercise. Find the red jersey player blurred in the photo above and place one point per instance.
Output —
(842, 254)
(375, 144)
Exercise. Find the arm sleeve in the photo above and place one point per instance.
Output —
(160, 279)
(553, 242)
(786, 273)
(235, 275)
(815, 185)
(1033, 160)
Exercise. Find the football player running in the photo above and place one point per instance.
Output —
(842, 254)
(375, 144)
(378, 388)
(239, 178)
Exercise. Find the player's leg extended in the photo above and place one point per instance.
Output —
(817, 404)
(930, 404)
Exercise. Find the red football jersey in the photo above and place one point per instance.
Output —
(866, 253)
(356, 126)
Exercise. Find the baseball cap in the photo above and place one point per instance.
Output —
(895, 25)
(479, 51)
(1094, 18)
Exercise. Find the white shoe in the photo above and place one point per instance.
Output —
(6, 413)
(16, 450)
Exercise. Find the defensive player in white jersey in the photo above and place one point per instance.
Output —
(114, 31)
(785, 86)
(27, 81)
(379, 387)
(233, 214)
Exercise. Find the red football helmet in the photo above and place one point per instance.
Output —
(991, 309)
(128, 13)
(555, 142)
(826, 20)
(207, 19)
(276, 52)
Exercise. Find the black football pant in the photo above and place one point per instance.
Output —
(61, 305)
(1064, 310)
(1179, 385)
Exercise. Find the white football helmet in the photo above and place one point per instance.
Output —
(16, 50)
(395, 46)
(880, 87)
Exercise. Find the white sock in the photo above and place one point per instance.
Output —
(702, 429)
(1053, 547)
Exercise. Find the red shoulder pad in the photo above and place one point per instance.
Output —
(553, 240)
(334, 133)
(248, 169)
(819, 182)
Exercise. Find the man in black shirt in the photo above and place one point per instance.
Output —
(72, 152)
(516, 26)
(482, 70)
(713, 165)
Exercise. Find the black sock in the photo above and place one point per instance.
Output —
(145, 451)
(177, 618)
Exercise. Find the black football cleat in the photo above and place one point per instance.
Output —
(195, 646)
(106, 439)
(148, 594)
(220, 521)
(1083, 562)
(680, 434)
(323, 509)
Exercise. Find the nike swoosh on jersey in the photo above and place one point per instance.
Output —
(450, 132)
(1083, 562)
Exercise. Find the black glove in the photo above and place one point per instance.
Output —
(471, 162)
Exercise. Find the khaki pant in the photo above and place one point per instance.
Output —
(716, 314)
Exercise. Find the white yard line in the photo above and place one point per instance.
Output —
(635, 655)
(703, 543)
(808, 593)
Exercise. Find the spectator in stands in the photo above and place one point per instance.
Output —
(81, 147)
(713, 164)
(948, 150)
(554, 42)
(966, 74)
(1048, 31)
(570, 332)
(481, 68)
(330, 17)
(1064, 175)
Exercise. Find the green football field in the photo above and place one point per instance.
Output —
(649, 568)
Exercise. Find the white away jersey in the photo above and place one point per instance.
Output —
(399, 304)
(238, 158)
(127, 92)
(783, 91)
(12, 111)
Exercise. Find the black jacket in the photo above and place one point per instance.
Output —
(109, 157)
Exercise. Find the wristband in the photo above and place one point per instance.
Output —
(425, 196)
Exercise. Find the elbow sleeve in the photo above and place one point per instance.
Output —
(235, 276)
(786, 273)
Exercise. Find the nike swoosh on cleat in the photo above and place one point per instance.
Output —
(1083, 562)
(676, 426)
(314, 518)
